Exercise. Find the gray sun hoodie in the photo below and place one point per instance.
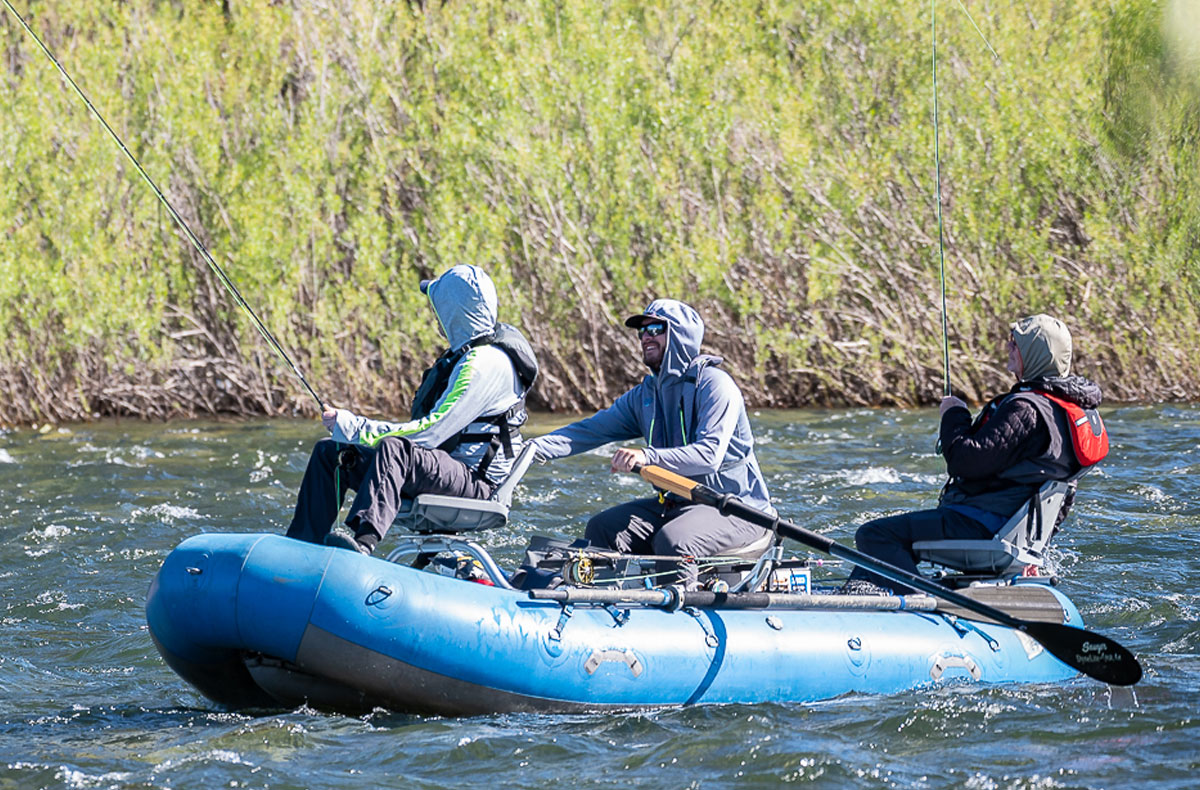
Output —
(484, 383)
(720, 451)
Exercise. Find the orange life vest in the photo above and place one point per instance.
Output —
(1089, 438)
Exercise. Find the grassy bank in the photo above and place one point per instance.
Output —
(770, 163)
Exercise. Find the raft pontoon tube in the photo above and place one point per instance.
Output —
(257, 620)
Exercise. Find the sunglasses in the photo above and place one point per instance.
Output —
(653, 330)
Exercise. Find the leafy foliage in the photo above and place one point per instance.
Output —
(769, 162)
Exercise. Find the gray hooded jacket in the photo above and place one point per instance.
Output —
(484, 382)
(708, 439)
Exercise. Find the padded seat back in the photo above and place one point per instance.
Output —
(1021, 542)
(758, 552)
(450, 515)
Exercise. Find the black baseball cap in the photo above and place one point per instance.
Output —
(642, 319)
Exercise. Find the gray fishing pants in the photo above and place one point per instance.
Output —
(381, 476)
(645, 526)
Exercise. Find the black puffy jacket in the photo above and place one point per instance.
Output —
(1019, 441)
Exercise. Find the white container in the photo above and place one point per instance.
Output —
(790, 580)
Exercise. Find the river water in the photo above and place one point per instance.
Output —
(88, 512)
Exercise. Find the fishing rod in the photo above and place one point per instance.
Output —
(200, 248)
(937, 165)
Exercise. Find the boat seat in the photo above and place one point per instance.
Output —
(752, 551)
(450, 515)
(758, 552)
(1020, 542)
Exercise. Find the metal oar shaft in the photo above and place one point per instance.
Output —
(672, 598)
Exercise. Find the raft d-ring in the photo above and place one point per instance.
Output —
(379, 595)
(710, 638)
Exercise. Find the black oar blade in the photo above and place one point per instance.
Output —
(1092, 654)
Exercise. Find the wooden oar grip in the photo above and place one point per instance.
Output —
(668, 481)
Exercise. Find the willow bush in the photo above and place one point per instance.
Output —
(771, 163)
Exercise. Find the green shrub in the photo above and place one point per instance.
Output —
(769, 162)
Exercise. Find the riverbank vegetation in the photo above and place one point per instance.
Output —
(771, 163)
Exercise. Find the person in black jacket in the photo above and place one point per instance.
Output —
(1018, 441)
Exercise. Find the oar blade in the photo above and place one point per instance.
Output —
(1093, 654)
(1022, 601)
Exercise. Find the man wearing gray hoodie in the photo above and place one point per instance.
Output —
(461, 440)
(692, 417)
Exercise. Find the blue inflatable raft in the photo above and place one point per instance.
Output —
(265, 621)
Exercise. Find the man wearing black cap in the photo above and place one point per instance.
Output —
(692, 417)
(461, 440)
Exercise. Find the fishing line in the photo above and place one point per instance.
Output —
(1012, 83)
(937, 164)
(200, 248)
(986, 43)
(937, 157)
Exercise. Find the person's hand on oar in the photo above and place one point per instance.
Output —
(627, 459)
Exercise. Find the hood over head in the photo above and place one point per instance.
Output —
(464, 301)
(685, 332)
(1044, 343)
